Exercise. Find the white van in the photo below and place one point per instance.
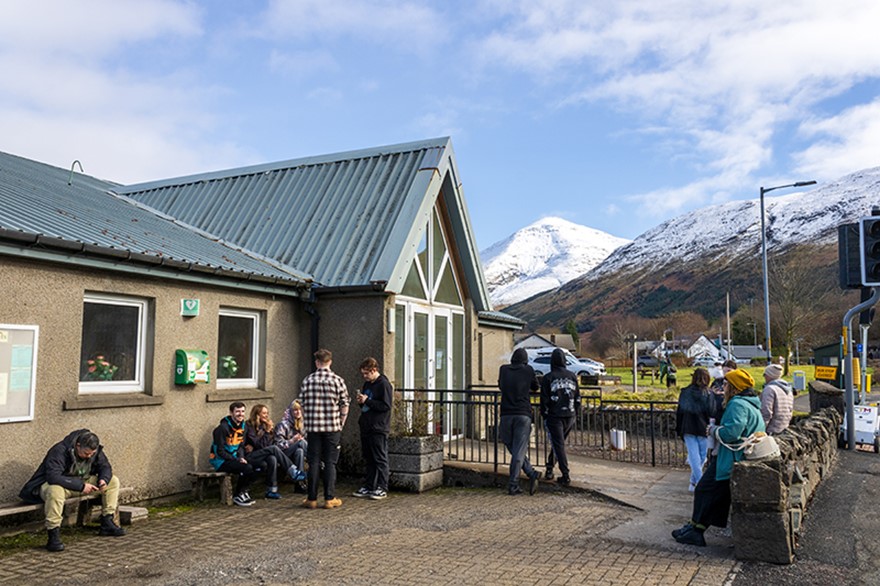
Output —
(539, 359)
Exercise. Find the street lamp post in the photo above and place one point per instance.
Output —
(764, 262)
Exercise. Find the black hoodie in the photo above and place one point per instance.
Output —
(56, 469)
(516, 380)
(560, 395)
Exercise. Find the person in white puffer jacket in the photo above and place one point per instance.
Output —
(777, 400)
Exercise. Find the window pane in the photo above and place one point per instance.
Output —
(457, 351)
(236, 341)
(423, 258)
(399, 346)
(441, 345)
(109, 349)
(413, 286)
(447, 292)
(438, 246)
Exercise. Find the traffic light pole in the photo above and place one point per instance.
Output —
(846, 342)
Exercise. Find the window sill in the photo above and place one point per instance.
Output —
(224, 395)
(112, 401)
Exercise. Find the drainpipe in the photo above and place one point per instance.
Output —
(316, 318)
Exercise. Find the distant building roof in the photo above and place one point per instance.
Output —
(45, 209)
(348, 219)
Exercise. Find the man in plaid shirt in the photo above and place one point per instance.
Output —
(324, 398)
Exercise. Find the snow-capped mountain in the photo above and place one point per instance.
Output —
(542, 256)
(728, 230)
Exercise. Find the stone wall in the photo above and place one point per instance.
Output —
(769, 497)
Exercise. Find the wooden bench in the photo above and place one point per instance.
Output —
(83, 504)
(201, 481)
(653, 373)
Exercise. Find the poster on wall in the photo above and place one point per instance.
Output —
(18, 371)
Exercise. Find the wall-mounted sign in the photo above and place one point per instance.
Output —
(189, 307)
(826, 372)
(18, 371)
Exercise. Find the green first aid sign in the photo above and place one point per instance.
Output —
(189, 307)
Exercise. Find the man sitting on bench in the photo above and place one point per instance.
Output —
(74, 466)
(227, 453)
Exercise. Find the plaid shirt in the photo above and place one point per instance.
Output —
(322, 395)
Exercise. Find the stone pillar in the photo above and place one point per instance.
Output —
(824, 395)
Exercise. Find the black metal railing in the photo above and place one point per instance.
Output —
(469, 421)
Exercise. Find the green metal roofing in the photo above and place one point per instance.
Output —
(44, 208)
(348, 219)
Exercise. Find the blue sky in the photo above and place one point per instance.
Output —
(615, 114)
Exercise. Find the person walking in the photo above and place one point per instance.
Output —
(375, 425)
(777, 400)
(696, 406)
(560, 403)
(324, 398)
(516, 381)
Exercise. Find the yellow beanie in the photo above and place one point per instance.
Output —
(740, 379)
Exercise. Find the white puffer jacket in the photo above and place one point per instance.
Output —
(777, 404)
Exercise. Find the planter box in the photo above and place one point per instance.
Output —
(416, 463)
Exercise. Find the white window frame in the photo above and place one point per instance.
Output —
(256, 350)
(127, 386)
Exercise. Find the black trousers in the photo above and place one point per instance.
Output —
(245, 474)
(558, 428)
(374, 447)
(711, 499)
(270, 460)
(323, 449)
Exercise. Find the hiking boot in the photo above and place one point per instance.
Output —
(308, 504)
(243, 500)
(533, 482)
(333, 503)
(54, 543)
(109, 528)
(272, 494)
(564, 480)
(686, 527)
(514, 490)
(692, 536)
(378, 495)
(549, 474)
(362, 492)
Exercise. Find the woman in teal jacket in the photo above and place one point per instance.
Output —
(742, 418)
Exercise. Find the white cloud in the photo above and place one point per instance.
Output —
(844, 143)
(388, 22)
(302, 63)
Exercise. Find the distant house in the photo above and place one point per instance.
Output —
(545, 339)
(367, 253)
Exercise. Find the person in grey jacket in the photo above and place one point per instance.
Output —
(777, 400)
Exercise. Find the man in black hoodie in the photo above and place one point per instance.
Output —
(516, 380)
(74, 466)
(560, 402)
(375, 424)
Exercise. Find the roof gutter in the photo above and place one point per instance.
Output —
(168, 270)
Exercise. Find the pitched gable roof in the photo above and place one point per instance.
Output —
(348, 219)
(75, 216)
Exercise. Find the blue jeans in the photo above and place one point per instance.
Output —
(696, 449)
(515, 432)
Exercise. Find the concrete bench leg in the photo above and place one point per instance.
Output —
(226, 490)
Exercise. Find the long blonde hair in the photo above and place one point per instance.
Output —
(297, 421)
(256, 424)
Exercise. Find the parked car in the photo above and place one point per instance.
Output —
(539, 359)
(647, 362)
(705, 360)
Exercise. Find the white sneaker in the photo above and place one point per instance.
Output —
(378, 494)
(362, 492)
(242, 500)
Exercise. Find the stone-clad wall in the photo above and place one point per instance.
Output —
(769, 497)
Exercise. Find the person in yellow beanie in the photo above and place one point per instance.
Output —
(742, 418)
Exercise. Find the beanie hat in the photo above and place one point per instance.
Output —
(773, 371)
(740, 379)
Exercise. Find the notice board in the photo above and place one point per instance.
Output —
(18, 371)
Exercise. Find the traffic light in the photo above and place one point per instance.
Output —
(849, 261)
(869, 238)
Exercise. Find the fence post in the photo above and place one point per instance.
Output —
(651, 423)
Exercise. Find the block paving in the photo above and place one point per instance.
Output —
(447, 536)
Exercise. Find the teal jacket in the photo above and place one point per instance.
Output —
(742, 418)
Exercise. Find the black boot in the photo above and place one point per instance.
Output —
(54, 543)
(564, 480)
(109, 528)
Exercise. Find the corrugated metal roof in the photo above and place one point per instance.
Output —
(346, 218)
(35, 199)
